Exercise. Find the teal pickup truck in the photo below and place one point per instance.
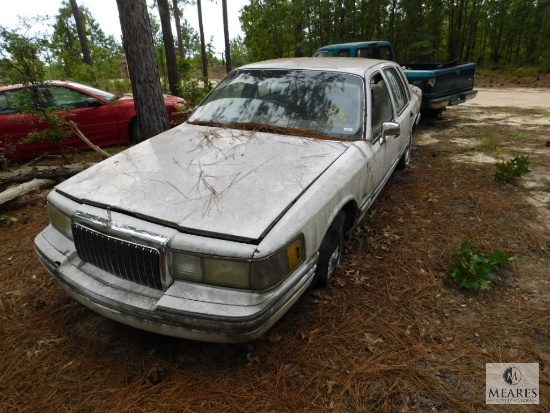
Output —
(442, 84)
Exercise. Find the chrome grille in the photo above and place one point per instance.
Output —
(132, 262)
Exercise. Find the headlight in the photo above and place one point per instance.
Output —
(254, 274)
(60, 221)
(226, 273)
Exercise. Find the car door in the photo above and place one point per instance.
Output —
(95, 118)
(374, 147)
(403, 114)
(18, 109)
(12, 123)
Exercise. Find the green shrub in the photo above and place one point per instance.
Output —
(194, 92)
(514, 168)
(472, 269)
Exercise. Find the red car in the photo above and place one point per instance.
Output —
(102, 117)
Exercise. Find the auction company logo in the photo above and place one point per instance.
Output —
(512, 383)
(512, 375)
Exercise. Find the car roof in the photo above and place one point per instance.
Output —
(356, 44)
(352, 65)
(48, 82)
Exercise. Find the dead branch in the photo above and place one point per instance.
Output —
(96, 148)
(27, 173)
(33, 198)
(23, 189)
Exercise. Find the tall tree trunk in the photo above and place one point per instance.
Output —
(392, 21)
(169, 50)
(298, 16)
(471, 32)
(177, 17)
(451, 46)
(81, 30)
(137, 39)
(226, 37)
(203, 44)
(500, 31)
(539, 45)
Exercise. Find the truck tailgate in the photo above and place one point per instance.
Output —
(441, 81)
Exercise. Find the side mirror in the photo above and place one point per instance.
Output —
(93, 102)
(389, 129)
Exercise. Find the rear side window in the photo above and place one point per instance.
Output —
(26, 100)
(324, 53)
(11, 101)
(65, 97)
(375, 52)
(397, 89)
(381, 104)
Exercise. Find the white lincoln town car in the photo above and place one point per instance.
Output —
(214, 229)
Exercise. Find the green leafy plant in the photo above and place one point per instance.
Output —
(194, 92)
(474, 270)
(513, 168)
(39, 112)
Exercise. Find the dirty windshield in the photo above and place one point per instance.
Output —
(328, 103)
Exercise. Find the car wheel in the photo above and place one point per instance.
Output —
(133, 132)
(406, 157)
(330, 252)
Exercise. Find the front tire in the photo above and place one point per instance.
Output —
(330, 252)
(134, 132)
(405, 159)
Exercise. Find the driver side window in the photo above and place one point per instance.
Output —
(381, 105)
(65, 97)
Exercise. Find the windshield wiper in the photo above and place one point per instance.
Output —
(262, 127)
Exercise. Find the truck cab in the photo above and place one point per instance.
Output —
(382, 50)
(442, 84)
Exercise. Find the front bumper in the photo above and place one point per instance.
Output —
(187, 310)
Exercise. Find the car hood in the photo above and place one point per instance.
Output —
(129, 97)
(219, 182)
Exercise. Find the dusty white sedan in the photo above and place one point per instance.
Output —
(212, 230)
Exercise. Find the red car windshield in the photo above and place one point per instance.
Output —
(93, 91)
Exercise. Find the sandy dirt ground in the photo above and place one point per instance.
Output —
(392, 334)
(511, 97)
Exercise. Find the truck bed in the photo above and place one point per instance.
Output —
(442, 84)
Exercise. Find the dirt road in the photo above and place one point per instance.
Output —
(518, 98)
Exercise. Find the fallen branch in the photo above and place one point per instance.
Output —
(17, 191)
(36, 197)
(27, 173)
(96, 148)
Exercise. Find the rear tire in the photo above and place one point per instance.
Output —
(330, 252)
